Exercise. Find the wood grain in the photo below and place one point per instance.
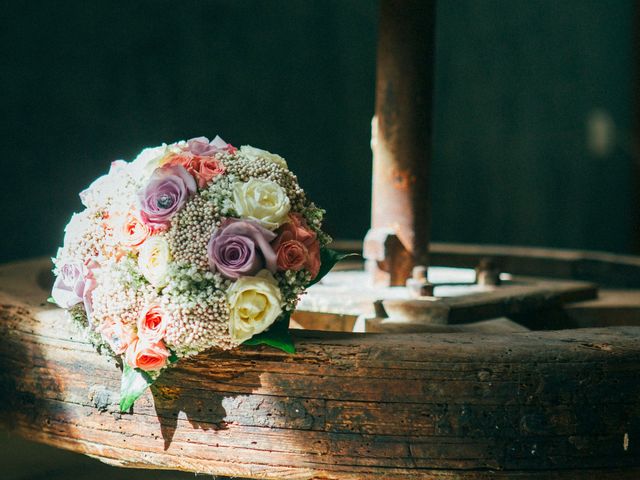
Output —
(532, 405)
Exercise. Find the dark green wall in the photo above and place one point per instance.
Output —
(517, 82)
(87, 82)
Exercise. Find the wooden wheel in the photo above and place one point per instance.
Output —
(557, 404)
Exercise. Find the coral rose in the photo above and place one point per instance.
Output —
(130, 231)
(205, 169)
(152, 324)
(292, 255)
(146, 355)
(292, 233)
(313, 260)
(202, 168)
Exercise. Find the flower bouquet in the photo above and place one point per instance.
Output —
(191, 246)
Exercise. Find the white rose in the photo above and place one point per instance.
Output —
(253, 153)
(254, 304)
(153, 261)
(107, 188)
(148, 160)
(261, 200)
(77, 227)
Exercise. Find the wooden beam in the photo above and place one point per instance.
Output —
(530, 405)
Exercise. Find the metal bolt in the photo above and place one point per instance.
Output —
(418, 285)
(487, 272)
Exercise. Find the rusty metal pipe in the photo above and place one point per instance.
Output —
(401, 140)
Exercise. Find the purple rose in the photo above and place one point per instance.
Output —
(74, 284)
(68, 289)
(201, 146)
(241, 248)
(90, 283)
(167, 191)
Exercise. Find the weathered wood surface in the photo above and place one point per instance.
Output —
(536, 405)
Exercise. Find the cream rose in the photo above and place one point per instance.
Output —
(254, 304)
(253, 153)
(261, 200)
(153, 261)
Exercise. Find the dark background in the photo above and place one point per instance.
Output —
(84, 83)
(518, 82)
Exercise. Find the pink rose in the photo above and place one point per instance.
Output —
(131, 231)
(297, 230)
(146, 355)
(117, 335)
(152, 324)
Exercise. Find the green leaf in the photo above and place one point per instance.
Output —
(173, 358)
(277, 336)
(328, 259)
(134, 383)
(51, 300)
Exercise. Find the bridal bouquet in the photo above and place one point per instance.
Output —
(191, 246)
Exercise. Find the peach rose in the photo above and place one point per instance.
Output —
(131, 231)
(117, 335)
(152, 324)
(294, 231)
(146, 355)
(202, 168)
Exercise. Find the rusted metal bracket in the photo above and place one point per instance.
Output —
(401, 141)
